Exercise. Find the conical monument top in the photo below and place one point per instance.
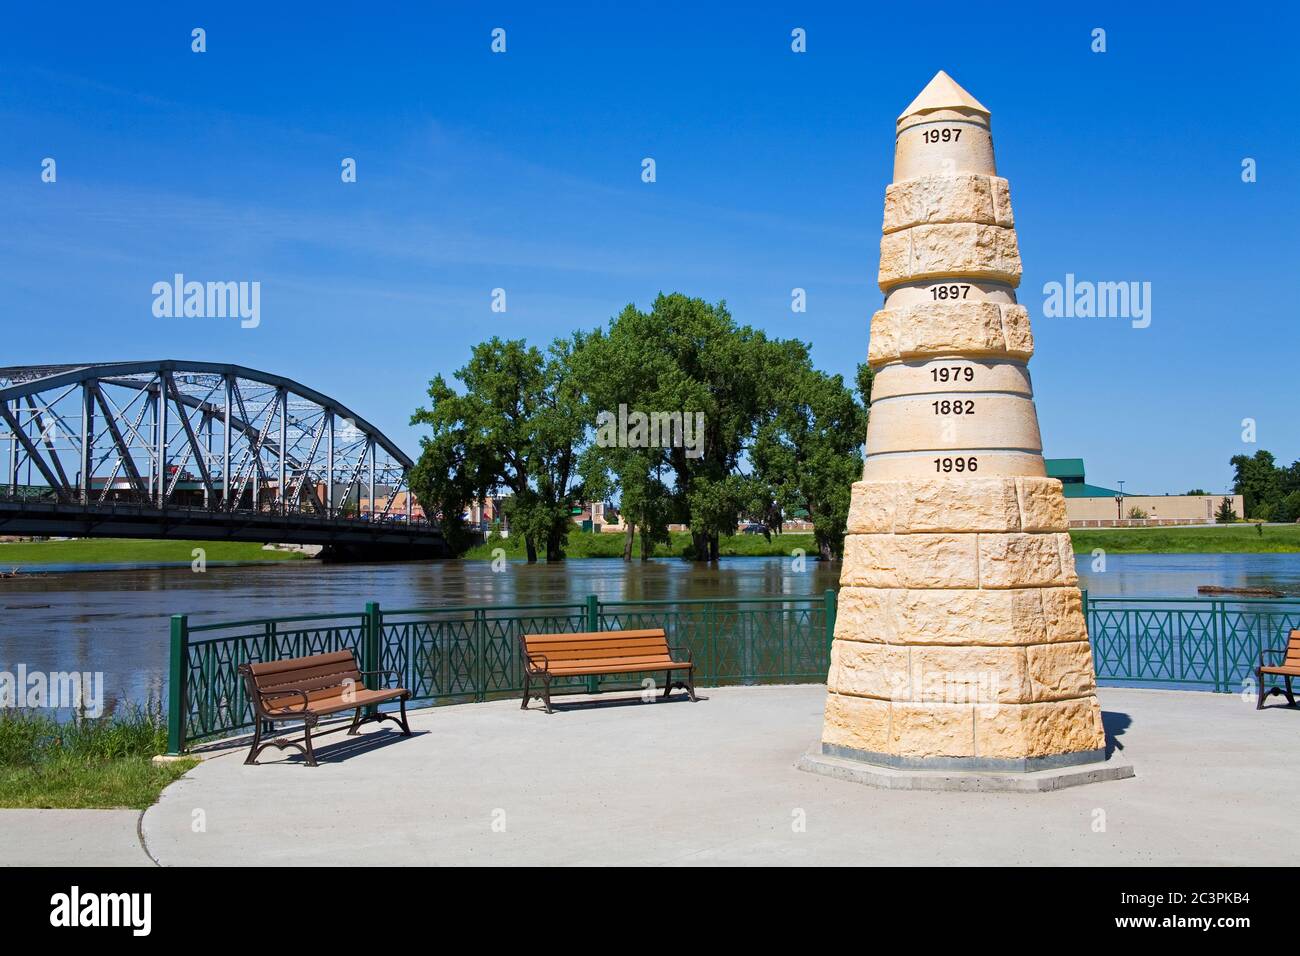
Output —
(943, 93)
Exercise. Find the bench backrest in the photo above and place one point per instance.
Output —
(319, 675)
(598, 645)
(1293, 649)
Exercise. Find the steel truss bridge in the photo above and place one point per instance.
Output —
(171, 449)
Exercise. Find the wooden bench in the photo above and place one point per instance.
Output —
(593, 653)
(1288, 669)
(309, 688)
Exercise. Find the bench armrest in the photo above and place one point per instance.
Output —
(1270, 650)
(262, 695)
(690, 658)
(531, 659)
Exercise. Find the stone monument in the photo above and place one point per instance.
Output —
(960, 645)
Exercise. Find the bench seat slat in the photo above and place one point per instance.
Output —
(611, 642)
(279, 698)
(305, 681)
(1284, 670)
(608, 661)
(263, 668)
(334, 703)
(599, 653)
(316, 683)
(619, 668)
(591, 635)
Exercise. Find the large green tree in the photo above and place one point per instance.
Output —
(1271, 493)
(739, 425)
(1256, 480)
(518, 426)
(808, 452)
(685, 357)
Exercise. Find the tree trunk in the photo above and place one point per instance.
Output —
(824, 548)
(700, 544)
(627, 540)
(645, 546)
(713, 547)
(554, 550)
(531, 547)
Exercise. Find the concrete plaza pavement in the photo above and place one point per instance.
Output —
(71, 838)
(626, 782)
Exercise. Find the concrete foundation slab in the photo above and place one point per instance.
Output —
(962, 781)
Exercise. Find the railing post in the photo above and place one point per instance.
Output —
(829, 599)
(480, 655)
(371, 635)
(370, 651)
(711, 631)
(593, 624)
(1220, 653)
(180, 651)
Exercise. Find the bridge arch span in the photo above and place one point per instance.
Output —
(198, 449)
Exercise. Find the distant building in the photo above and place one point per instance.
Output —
(1091, 506)
(598, 516)
(392, 506)
(486, 512)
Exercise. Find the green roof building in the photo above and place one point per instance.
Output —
(1073, 482)
(1091, 506)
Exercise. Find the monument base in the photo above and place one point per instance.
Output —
(974, 775)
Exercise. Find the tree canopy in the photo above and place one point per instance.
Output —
(516, 427)
(1270, 492)
(680, 413)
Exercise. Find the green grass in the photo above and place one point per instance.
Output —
(1227, 539)
(1224, 539)
(133, 551)
(84, 763)
(592, 545)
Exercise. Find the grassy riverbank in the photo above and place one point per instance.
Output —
(1225, 539)
(83, 764)
(589, 545)
(133, 551)
(1221, 539)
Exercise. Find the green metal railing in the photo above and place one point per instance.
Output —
(1193, 643)
(463, 654)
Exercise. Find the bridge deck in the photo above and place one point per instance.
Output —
(142, 521)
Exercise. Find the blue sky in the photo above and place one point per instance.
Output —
(522, 171)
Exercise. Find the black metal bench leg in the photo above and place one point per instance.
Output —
(257, 743)
(1290, 698)
(668, 684)
(356, 722)
(406, 728)
(524, 705)
(311, 754)
(546, 694)
(1263, 691)
(690, 686)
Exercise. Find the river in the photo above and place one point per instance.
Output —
(116, 622)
